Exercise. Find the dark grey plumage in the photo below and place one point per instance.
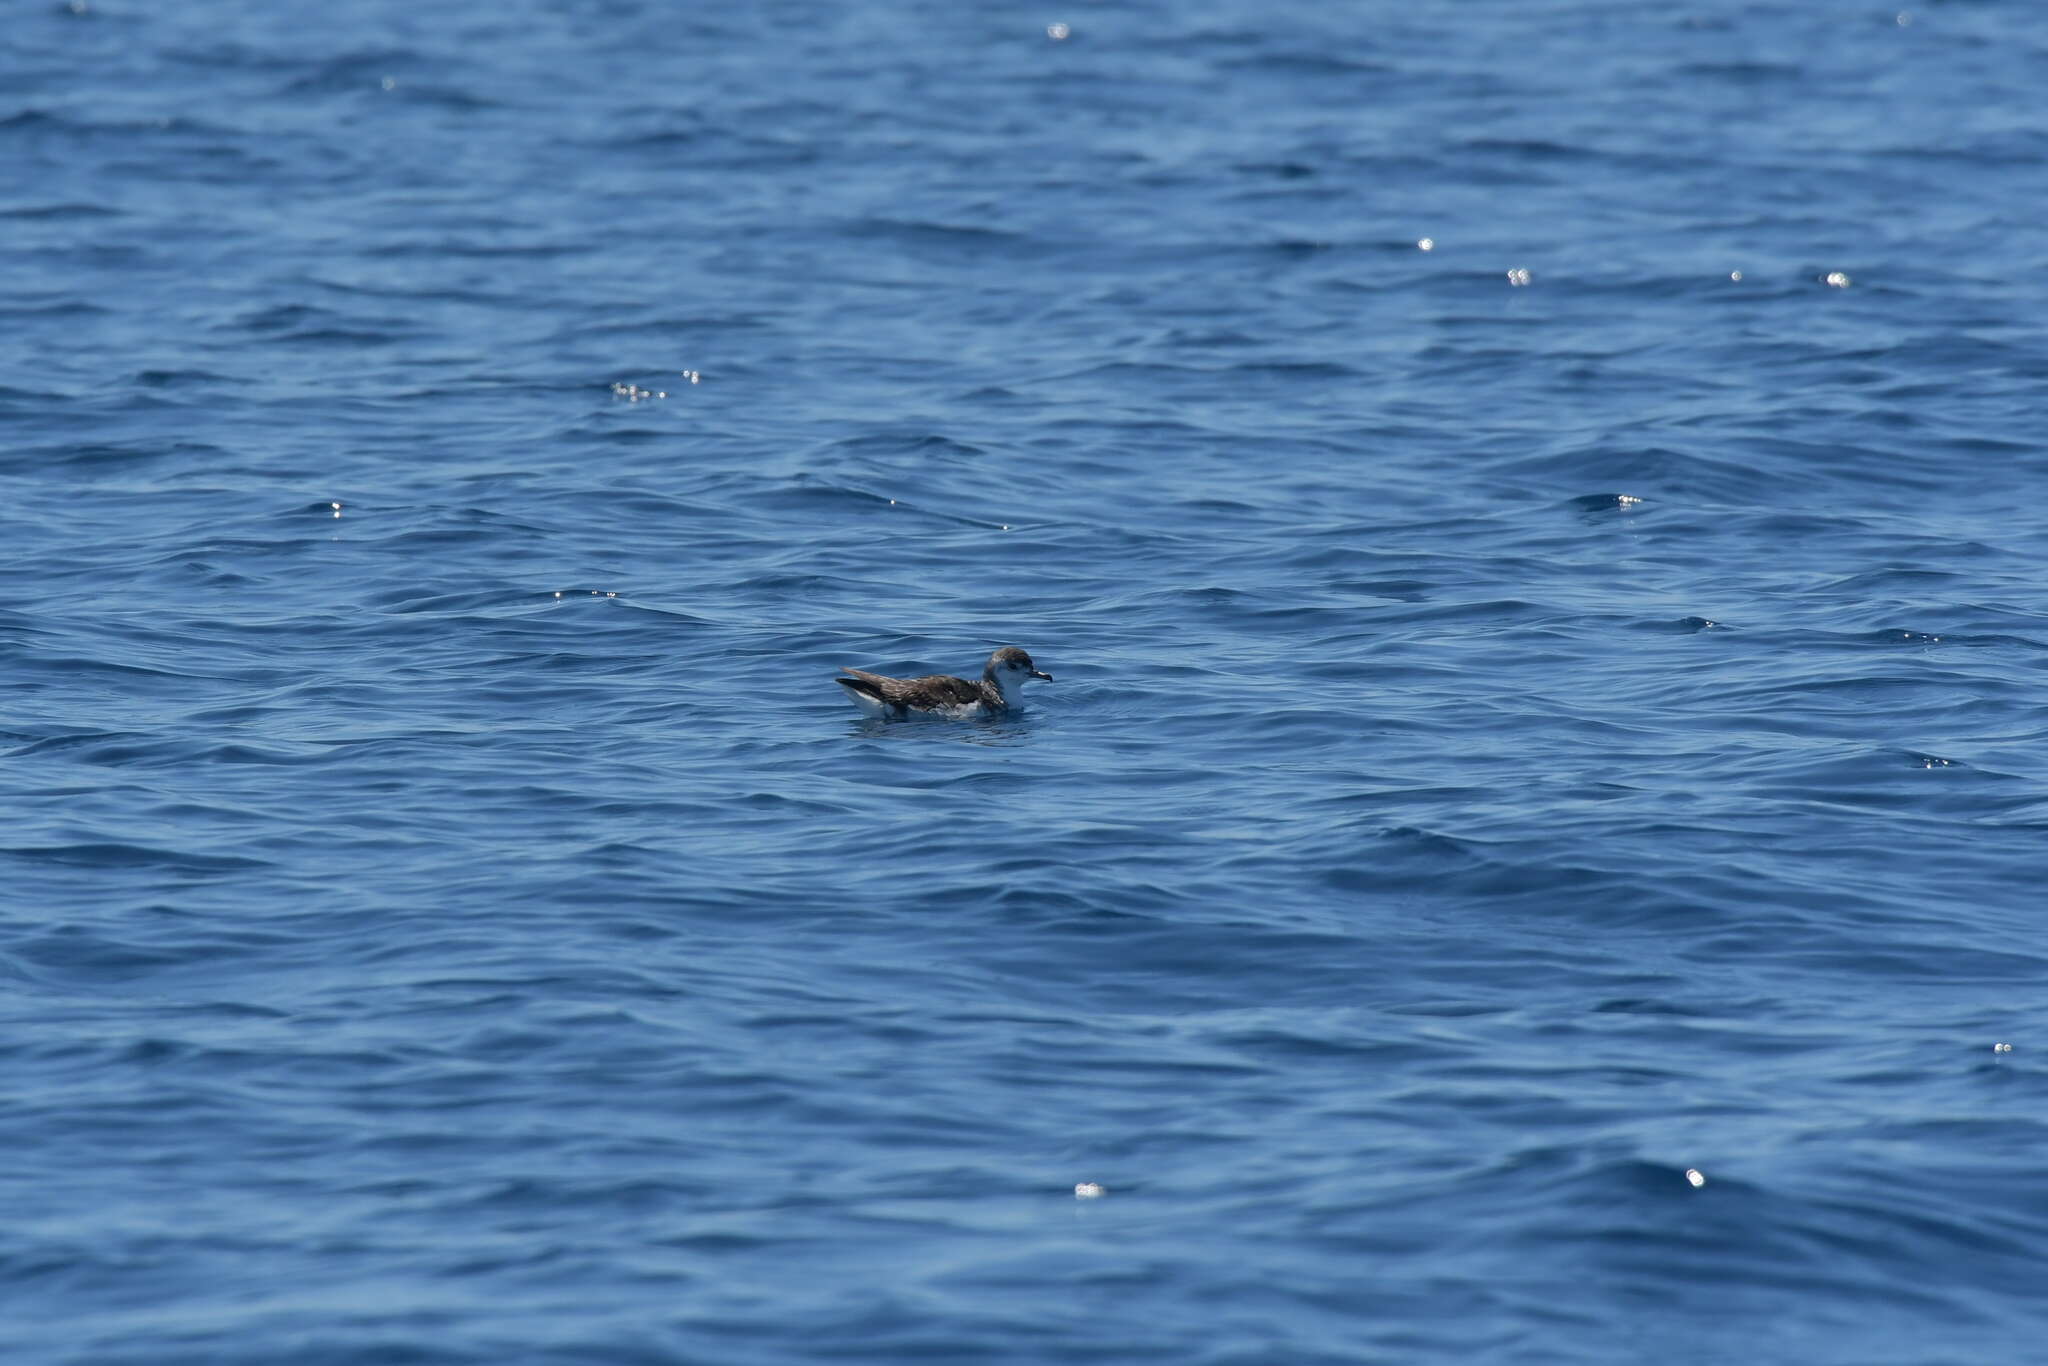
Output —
(996, 691)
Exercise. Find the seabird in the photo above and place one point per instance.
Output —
(1001, 688)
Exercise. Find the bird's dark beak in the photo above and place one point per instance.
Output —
(1036, 674)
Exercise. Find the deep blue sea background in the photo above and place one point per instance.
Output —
(1538, 714)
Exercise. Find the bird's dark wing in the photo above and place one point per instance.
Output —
(931, 691)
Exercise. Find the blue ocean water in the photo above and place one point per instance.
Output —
(1535, 853)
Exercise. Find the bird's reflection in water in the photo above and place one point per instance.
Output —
(1001, 730)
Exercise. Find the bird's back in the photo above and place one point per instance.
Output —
(881, 694)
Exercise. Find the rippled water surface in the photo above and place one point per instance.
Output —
(1537, 511)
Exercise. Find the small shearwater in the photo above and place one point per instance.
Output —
(1001, 688)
